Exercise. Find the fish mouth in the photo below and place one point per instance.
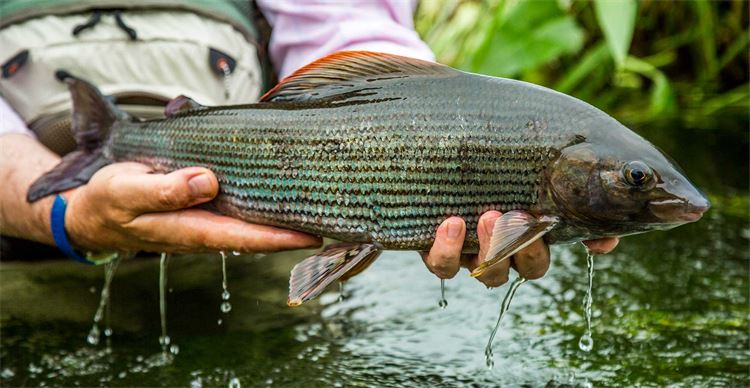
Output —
(679, 210)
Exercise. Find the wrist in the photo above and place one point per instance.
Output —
(39, 226)
(76, 235)
(60, 235)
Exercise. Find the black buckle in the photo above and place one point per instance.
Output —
(14, 64)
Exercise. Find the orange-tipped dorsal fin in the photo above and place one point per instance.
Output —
(346, 71)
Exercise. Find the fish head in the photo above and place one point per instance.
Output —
(616, 183)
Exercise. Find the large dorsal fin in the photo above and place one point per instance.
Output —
(345, 71)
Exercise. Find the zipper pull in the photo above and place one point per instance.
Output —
(223, 65)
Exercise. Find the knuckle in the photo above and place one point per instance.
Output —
(496, 281)
(442, 265)
(108, 188)
(131, 228)
(534, 273)
(441, 268)
(169, 197)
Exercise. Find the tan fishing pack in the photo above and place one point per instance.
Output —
(142, 57)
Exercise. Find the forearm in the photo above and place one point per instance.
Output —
(22, 161)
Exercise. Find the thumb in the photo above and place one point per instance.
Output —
(138, 191)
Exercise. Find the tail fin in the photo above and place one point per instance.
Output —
(93, 116)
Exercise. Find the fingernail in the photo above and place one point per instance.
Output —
(200, 186)
(454, 229)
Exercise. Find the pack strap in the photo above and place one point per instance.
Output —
(96, 17)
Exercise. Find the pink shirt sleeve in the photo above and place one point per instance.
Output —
(10, 122)
(305, 30)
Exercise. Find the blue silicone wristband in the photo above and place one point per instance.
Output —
(57, 222)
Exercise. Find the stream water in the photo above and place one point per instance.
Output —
(670, 308)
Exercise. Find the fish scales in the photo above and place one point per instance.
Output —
(390, 170)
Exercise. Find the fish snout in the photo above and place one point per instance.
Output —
(699, 205)
(680, 210)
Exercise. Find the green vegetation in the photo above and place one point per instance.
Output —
(639, 60)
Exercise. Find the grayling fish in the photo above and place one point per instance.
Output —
(377, 150)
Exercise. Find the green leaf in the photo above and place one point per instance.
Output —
(527, 35)
(594, 59)
(662, 96)
(617, 19)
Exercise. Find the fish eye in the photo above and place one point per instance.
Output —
(637, 173)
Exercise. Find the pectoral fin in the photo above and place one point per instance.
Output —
(311, 276)
(514, 231)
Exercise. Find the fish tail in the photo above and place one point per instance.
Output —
(93, 118)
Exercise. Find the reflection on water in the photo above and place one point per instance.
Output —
(671, 308)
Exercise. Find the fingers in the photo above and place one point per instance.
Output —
(132, 188)
(532, 262)
(200, 230)
(445, 255)
(602, 245)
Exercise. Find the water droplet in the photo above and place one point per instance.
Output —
(586, 342)
(174, 349)
(108, 332)
(503, 309)
(225, 306)
(236, 253)
(93, 337)
(92, 290)
(443, 303)
(171, 290)
(164, 340)
(109, 273)
(33, 369)
(488, 358)
(139, 358)
(122, 374)
(342, 292)
(234, 383)
(219, 321)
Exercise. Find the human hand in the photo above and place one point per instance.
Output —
(127, 207)
(532, 262)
